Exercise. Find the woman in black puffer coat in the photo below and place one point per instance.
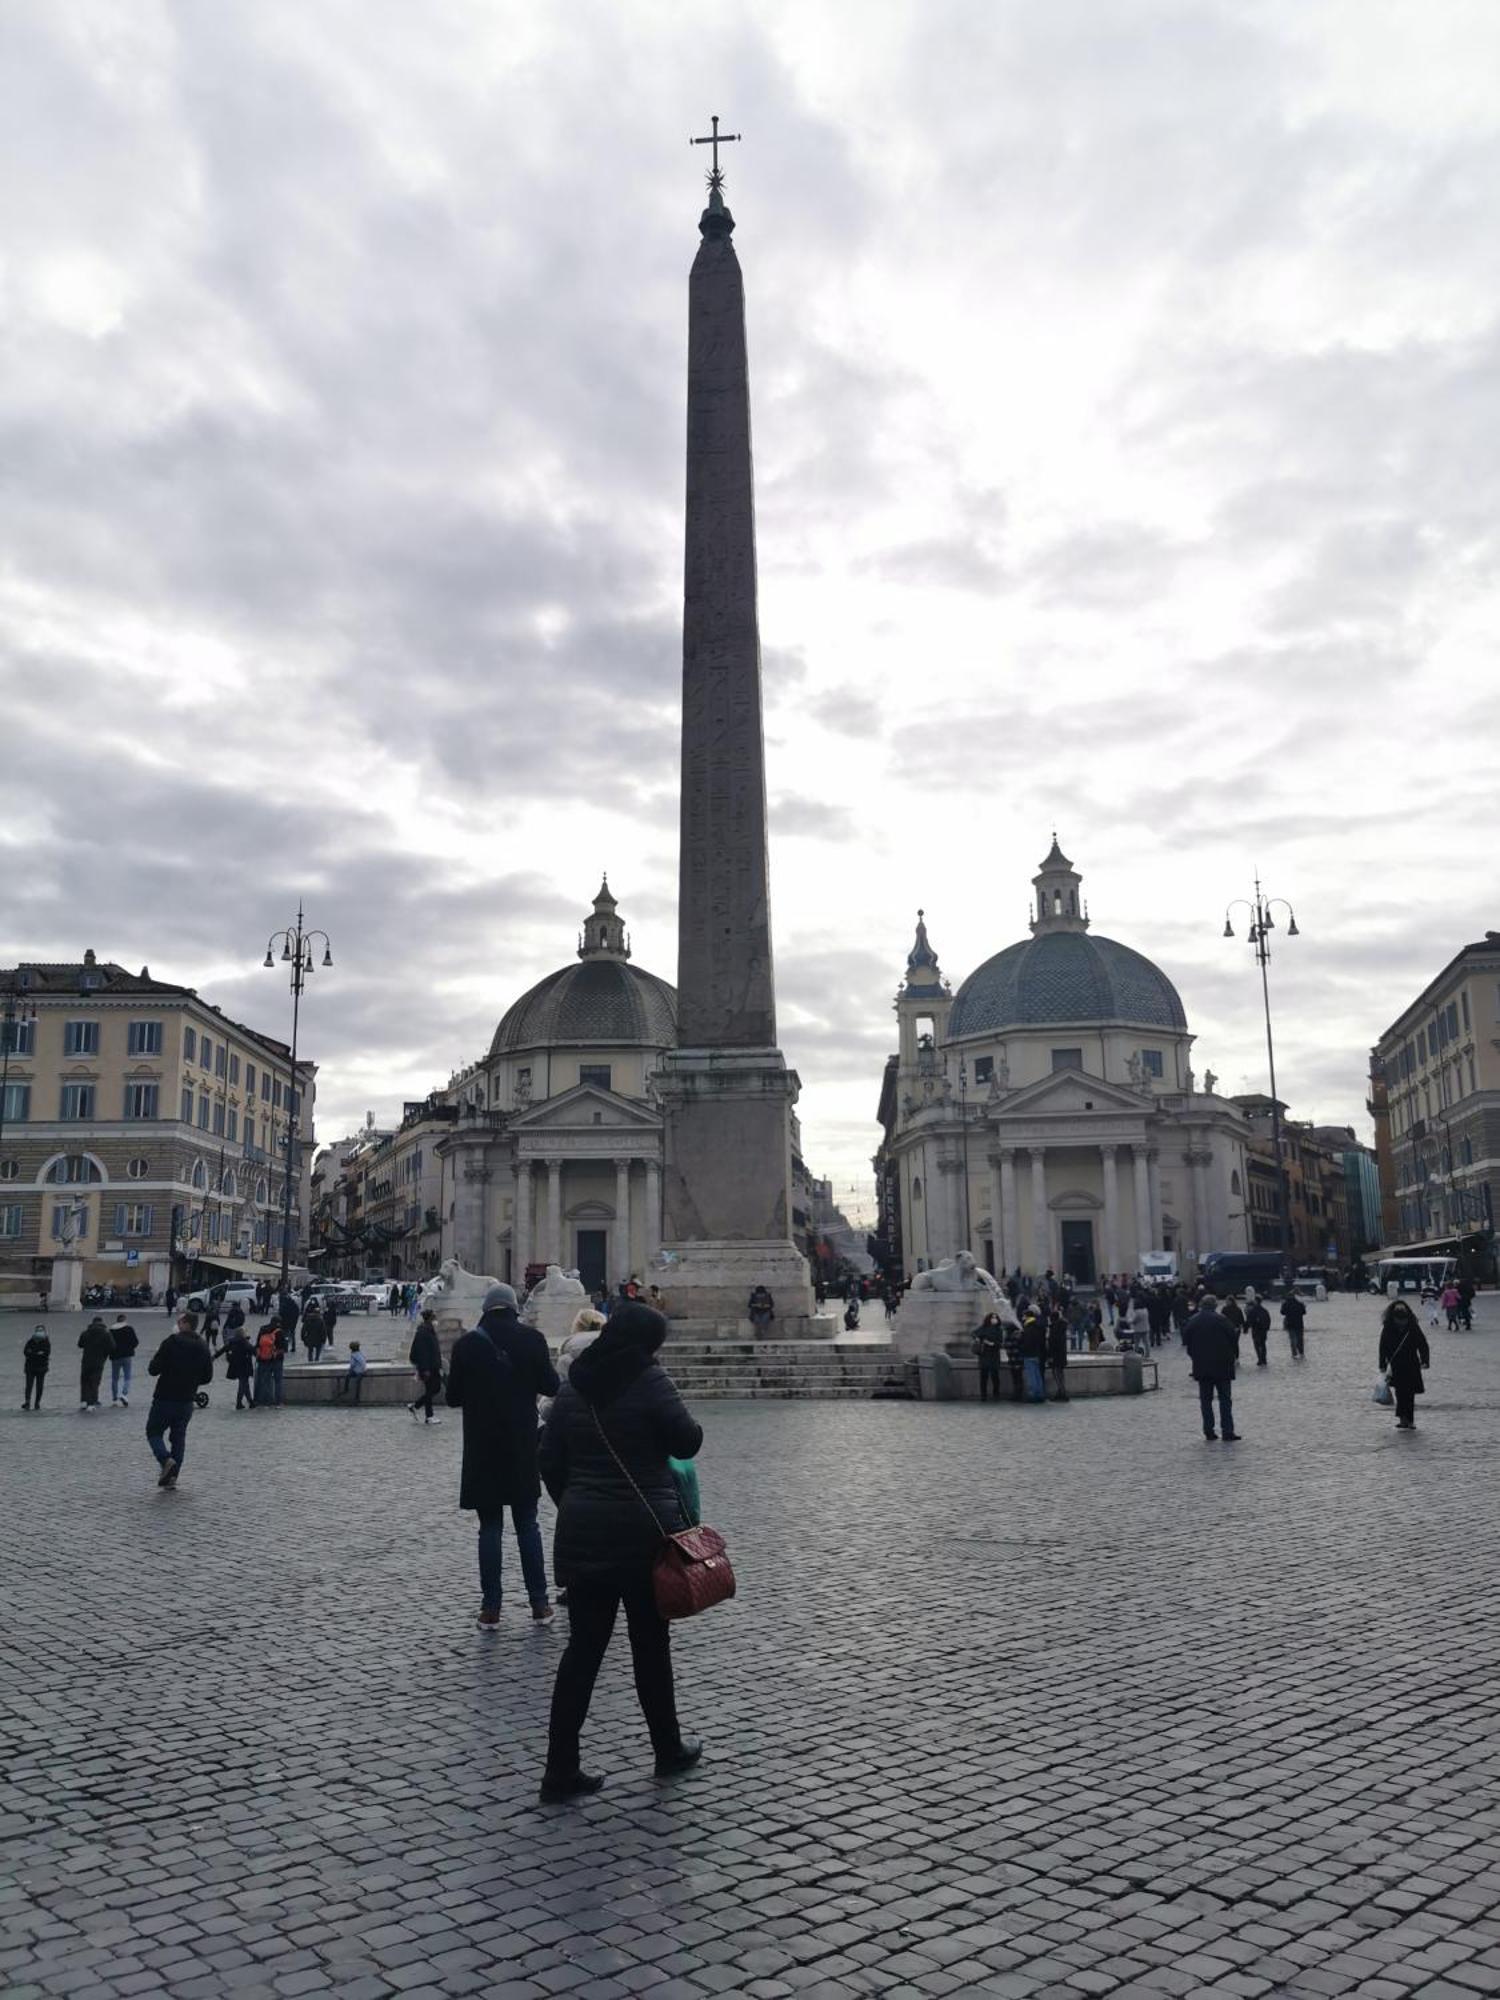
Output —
(617, 1409)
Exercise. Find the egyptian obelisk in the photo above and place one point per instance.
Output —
(725, 1091)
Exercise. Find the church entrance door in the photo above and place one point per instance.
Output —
(1078, 1252)
(593, 1258)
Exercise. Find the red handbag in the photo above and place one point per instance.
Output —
(692, 1569)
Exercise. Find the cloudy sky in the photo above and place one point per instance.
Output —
(1126, 388)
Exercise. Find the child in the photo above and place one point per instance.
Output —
(355, 1374)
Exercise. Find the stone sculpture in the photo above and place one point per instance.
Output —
(944, 1305)
(456, 1294)
(961, 1273)
(554, 1301)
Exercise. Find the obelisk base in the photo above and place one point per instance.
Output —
(727, 1149)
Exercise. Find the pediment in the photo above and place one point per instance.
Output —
(1070, 1093)
(573, 1111)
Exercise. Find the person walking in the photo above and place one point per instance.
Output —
(1213, 1345)
(1258, 1326)
(288, 1312)
(234, 1320)
(123, 1342)
(495, 1374)
(1404, 1353)
(239, 1368)
(1033, 1352)
(989, 1346)
(427, 1358)
(1449, 1300)
(1294, 1319)
(615, 1424)
(181, 1366)
(266, 1343)
(37, 1357)
(1057, 1357)
(330, 1320)
(95, 1345)
(314, 1333)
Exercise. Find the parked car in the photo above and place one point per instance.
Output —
(222, 1296)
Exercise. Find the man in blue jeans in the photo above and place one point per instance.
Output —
(181, 1366)
(495, 1375)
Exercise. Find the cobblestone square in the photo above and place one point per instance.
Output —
(1013, 1701)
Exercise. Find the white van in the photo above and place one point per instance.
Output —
(1159, 1267)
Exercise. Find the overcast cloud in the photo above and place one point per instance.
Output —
(1126, 384)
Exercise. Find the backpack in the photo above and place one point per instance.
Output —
(265, 1344)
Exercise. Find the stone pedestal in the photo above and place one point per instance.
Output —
(553, 1305)
(727, 1140)
(66, 1291)
(937, 1322)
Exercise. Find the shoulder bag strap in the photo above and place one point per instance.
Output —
(625, 1474)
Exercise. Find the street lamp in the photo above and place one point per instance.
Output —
(297, 951)
(14, 1016)
(1262, 923)
(963, 1114)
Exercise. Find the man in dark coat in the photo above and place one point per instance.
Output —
(426, 1358)
(495, 1375)
(181, 1366)
(1213, 1346)
(1294, 1318)
(988, 1342)
(96, 1344)
(1258, 1326)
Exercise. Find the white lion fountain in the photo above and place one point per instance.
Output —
(456, 1297)
(553, 1302)
(945, 1304)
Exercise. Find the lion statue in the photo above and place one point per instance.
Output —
(553, 1302)
(456, 1294)
(960, 1273)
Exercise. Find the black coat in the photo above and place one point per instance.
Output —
(181, 1365)
(1213, 1346)
(239, 1356)
(124, 1340)
(1404, 1353)
(495, 1375)
(96, 1342)
(1293, 1313)
(1258, 1321)
(38, 1354)
(603, 1530)
(426, 1354)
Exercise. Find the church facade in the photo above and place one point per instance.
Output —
(1046, 1116)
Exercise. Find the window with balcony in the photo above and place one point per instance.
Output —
(141, 1099)
(76, 1102)
(80, 1038)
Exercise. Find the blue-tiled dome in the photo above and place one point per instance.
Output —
(1064, 976)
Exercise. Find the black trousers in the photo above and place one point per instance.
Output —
(592, 1607)
(1406, 1404)
(430, 1386)
(1258, 1340)
(36, 1378)
(989, 1378)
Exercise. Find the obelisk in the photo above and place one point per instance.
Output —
(725, 1091)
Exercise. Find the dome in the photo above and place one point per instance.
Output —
(603, 1000)
(1064, 976)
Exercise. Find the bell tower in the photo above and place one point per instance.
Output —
(1059, 895)
(922, 1008)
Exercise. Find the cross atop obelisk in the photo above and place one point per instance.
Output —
(725, 1090)
(716, 139)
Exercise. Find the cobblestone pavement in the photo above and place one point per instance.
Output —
(1014, 1701)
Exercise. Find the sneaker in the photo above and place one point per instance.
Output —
(83, 1409)
(124, 1402)
(542, 1614)
(411, 1409)
(669, 1763)
(168, 1476)
(434, 1420)
(572, 1785)
(488, 1621)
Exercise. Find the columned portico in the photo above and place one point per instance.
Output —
(998, 1229)
(1142, 1206)
(1009, 1207)
(621, 1244)
(653, 1209)
(554, 1237)
(520, 1233)
(1153, 1178)
(1111, 1259)
(1041, 1221)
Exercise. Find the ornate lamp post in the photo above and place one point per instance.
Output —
(297, 951)
(1262, 923)
(15, 1015)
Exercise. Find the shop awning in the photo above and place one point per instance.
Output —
(242, 1267)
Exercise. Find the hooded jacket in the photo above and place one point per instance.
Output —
(181, 1365)
(619, 1393)
(96, 1342)
(495, 1375)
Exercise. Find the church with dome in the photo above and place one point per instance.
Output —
(1046, 1116)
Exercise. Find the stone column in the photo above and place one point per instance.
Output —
(1142, 1204)
(554, 1212)
(1041, 1219)
(653, 1208)
(1008, 1206)
(1197, 1162)
(620, 1242)
(1153, 1177)
(1107, 1156)
(997, 1214)
(520, 1229)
